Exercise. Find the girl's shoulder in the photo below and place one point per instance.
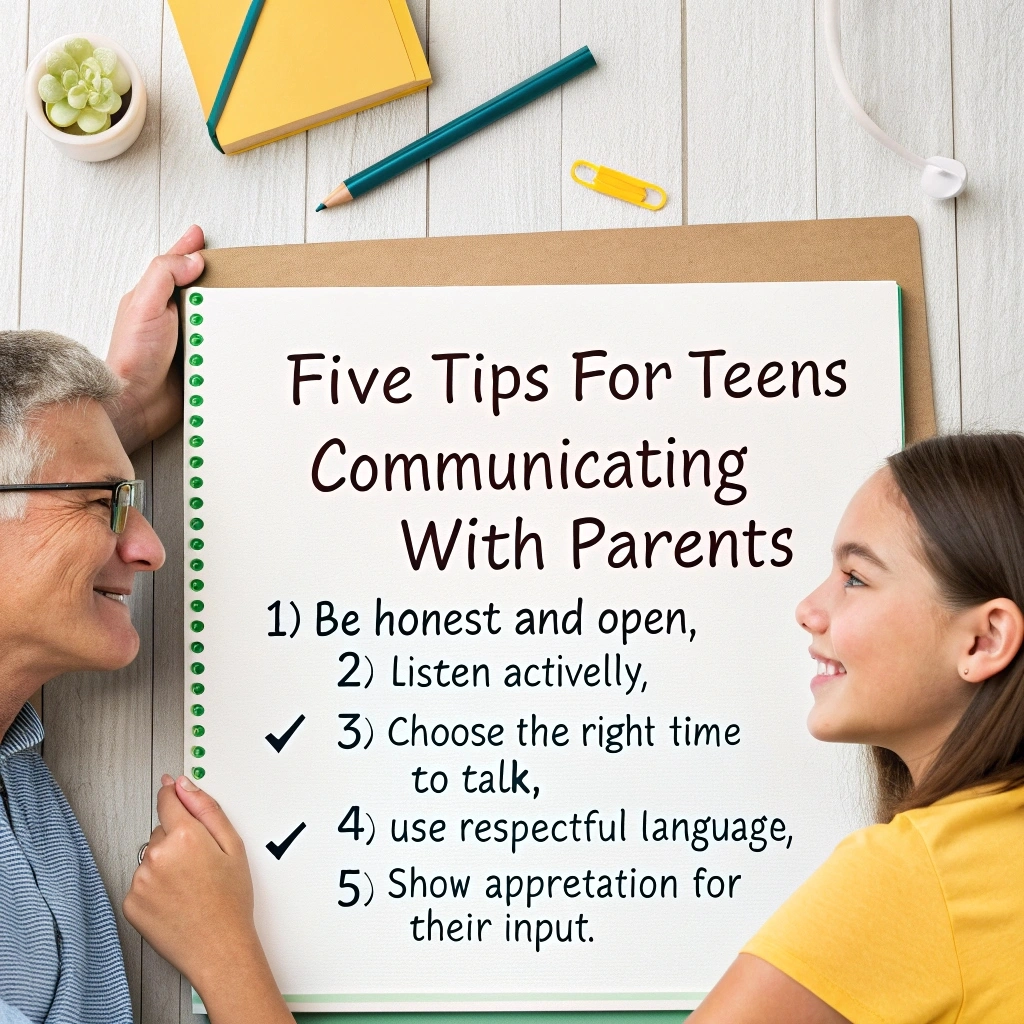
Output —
(915, 918)
(868, 932)
(966, 848)
(969, 833)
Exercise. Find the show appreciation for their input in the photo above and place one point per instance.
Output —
(489, 623)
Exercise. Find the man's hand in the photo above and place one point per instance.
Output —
(191, 899)
(143, 343)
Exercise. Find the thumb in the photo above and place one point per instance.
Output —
(203, 807)
(192, 240)
(156, 286)
(171, 811)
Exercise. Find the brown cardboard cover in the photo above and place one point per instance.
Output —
(868, 249)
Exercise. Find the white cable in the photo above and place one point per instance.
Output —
(941, 177)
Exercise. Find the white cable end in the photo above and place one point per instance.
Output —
(943, 178)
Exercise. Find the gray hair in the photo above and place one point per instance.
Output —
(38, 368)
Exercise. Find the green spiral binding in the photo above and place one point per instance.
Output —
(193, 503)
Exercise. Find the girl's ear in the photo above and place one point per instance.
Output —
(995, 631)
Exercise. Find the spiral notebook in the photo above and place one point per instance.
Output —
(489, 626)
(309, 62)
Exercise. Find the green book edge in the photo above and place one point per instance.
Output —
(496, 1017)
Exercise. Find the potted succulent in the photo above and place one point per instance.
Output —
(87, 96)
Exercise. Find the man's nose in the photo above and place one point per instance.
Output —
(139, 546)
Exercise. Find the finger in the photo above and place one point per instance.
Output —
(208, 811)
(170, 810)
(154, 290)
(191, 241)
(156, 838)
(158, 835)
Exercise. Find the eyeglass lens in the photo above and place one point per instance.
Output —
(130, 494)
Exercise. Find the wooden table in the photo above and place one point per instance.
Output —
(728, 104)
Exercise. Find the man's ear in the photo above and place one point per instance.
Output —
(994, 631)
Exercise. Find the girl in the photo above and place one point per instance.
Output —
(916, 634)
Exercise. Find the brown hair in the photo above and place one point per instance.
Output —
(966, 493)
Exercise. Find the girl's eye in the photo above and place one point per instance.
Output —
(852, 580)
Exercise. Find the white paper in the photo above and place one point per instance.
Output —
(270, 536)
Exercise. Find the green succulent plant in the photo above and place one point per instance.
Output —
(82, 86)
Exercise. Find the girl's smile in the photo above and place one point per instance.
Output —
(828, 669)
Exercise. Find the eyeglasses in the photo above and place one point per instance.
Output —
(124, 494)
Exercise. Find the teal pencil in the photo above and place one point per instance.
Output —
(455, 131)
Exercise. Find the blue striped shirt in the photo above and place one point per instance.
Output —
(60, 960)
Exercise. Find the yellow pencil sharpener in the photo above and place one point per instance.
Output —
(618, 185)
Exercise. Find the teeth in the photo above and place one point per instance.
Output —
(830, 668)
(120, 598)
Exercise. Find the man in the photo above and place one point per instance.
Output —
(72, 539)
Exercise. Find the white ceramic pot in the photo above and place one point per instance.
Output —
(103, 145)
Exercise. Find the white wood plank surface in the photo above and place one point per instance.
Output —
(13, 57)
(165, 996)
(728, 104)
(506, 177)
(336, 151)
(254, 198)
(88, 231)
(749, 110)
(638, 77)
(897, 59)
(99, 219)
(988, 86)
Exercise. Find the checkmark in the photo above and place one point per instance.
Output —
(278, 849)
(278, 742)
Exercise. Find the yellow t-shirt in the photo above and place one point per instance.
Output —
(920, 920)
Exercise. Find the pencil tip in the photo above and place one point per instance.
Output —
(321, 207)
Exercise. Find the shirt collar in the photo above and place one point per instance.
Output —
(26, 731)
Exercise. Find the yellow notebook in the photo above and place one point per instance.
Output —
(309, 62)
